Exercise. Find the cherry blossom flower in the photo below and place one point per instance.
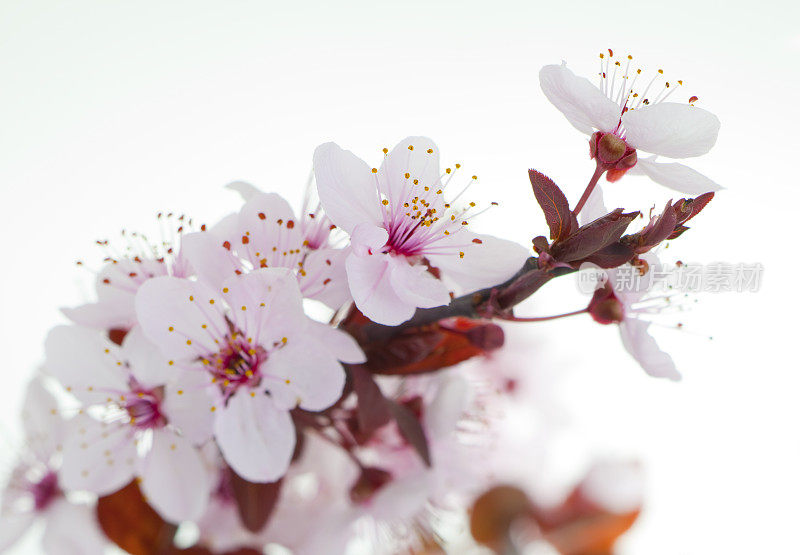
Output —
(131, 427)
(259, 354)
(34, 489)
(404, 234)
(627, 121)
(123, 272)
(267, 234)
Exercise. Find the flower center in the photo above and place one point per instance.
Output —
(236, 365)
(143, 409)
(45, 491)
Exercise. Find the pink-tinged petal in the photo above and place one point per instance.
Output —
(594, 208)
(182, 317)
(99, 457)
(266, 304)
(268, 233)
(419, 158)
(246, 190)
(671, 129)
(72, 529)
(416, 285)
(324, 277)
(487, 260)
(86, 363)
(372, 290)
(188, 405)
(42, 421)
(256, 438)
(582, 103)
(113, 312)
(346, 186)
(675, 176)
(367, 239)
(145, 360)
(340, 344)
(174, 478)
(225, 228)
(642, 347)
(309, 376)
(212, 262)
(13, 526)
(447, 408)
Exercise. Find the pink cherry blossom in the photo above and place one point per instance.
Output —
(130, 425)
(635, 121)
(34, 489)
(259, 355)
(267, 234)
(404, 234)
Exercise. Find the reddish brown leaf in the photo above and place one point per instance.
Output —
(373, 407)
(553, 203)
(255, 502)
(132, 524)
(411, 429)
(593, 237)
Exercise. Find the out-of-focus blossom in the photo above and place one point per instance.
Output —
(34, 490)
(628, 121)
(130, 426)
(260, 355)
(410, 248)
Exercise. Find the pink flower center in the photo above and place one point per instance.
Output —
(237, 365)
(45, 491)
(144, 409)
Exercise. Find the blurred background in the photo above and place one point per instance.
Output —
(112, 111)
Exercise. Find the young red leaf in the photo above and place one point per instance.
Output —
(255, 502)
(554, 205)
(373, 408)
(411, 429)
(593, 237)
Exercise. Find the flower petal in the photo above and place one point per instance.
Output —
(256, 438)
(583, 104)
(145, 360)
(419, 158)
(212, 262)
(594, 208)
(641, 345)
(367, 239)
(373, 292)
(340, 344)
(246, 190)
(174, 478)
(487, 260)
(98, 457)
(86, 363)
(182, 317)
(447, 407)
(324, 277)
(42, 421)
(188, 406)
(416, 285)
(13, 526)
(675, 176)
(72, 529)
(671, 129)
(347, 189)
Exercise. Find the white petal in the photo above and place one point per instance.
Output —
(582, 103)
(595, 207)
(340, 344)
(372, 290)
(187, 405)
(256, 439)
(98, 457)
(112, 313)
(42, 420)
(675, 176)
(147, 364)
(367, 239)
(416, 285)
(172, 313)
(671, 129)
(72, 529)
(13, 526)
(346, 186)
(246, 190)
(266, 304)
(309, 376)
(212, 262)
(86, 363)
(446, 409)
(490, 262)
(325, 277)
(420, 162)
(174, 478)
(267, 230)
(641, 345)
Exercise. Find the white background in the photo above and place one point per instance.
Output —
(111, 111)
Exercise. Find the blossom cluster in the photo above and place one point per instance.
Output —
(200, 387)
